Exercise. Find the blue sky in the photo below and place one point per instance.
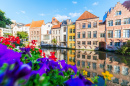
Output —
(24, 11)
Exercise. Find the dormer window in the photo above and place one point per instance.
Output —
(53, 19)
(118, 13)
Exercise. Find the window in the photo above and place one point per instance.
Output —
(117, 33)
(89, 25)
(126, 33)
(73, 44)
(83, 63)
(73, 30)
(83, 25)
(64, 37)
(64, 29)
(37, 32)
(59, 31)
(110, 43)
(89, 34)
(124, 43)
(110, 34)
(37, 37)
(88, 56)
(70, 45)
(56, 31)
(70, 38)
(127, 21)
(110, 23)
(117, 43)
(53, 19)
(73, 38)
(34, 32)
(94, 42)
(79, 26)
(53, 32)
(78, 35)
(118, 13)
(83, 34)
(89, 42)
(70, 30)
(78, 56)
(95, 24)
(94, 57)
(94, 34)
(102, 35)
(83, 43)
(83, 56)
(118, 22)
(48, 25)
(78, 63)
(78, 42)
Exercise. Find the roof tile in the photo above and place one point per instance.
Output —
(37, 23)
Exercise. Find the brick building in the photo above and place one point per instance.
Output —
(35, 31)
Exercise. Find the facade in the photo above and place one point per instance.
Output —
(63, 32)
(87, 27)
(35, 31)
(21, 28)
(118, 26)
(71, 57)
(1, 32)
(71, 36)
(55, 33)
(46, 33)
(7, 31)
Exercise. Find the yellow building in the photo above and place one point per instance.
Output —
(71, 36)
(71, 57)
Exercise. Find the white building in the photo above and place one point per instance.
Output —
(46, 33)
(20, 28)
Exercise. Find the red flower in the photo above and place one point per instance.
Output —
(40, 50)
(52, 57)
(34, 42)
(43, 54)
(32, 47)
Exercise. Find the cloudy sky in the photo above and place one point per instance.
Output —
(24, 11)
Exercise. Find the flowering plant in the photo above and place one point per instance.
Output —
(31, 67)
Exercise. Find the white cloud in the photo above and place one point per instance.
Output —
(85, 8)
(42, 14)
(90, 10)
(95, 3)
(61, 17)
(23, 12)
(17, 12)
(74, 2)
(74, 14)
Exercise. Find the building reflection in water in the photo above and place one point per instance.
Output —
(99, 62)
(96, 63)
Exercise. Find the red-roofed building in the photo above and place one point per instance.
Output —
(87, 27)
(35, 31)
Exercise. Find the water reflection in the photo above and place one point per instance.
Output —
(96, 63)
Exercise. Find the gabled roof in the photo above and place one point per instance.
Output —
(27, 24)
(54, 20)
(127, 4)
(37, 23)
(100, 21)
(56, 26)
(87, 15)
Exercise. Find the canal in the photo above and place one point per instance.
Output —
(96, 62)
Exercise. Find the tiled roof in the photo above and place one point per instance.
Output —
(37, 23)
(54, 20)
(56, 26)
(86, 15)
(127, 4)
(27, 24)
(100, 20)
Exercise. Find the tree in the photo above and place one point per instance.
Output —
(7, 34)
(54, 41)
(3, 20)
(22, 35)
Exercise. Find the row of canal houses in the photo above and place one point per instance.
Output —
(87, 32)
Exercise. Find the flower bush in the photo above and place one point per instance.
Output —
(31, 67)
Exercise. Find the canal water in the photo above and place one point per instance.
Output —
(96, 62)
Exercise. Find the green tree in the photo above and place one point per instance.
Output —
(22, 35)
(54, 41)
(3, 20)
(7, 34)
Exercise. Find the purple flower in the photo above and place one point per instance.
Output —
(18, 72)
(79, 81)
(26, 51)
